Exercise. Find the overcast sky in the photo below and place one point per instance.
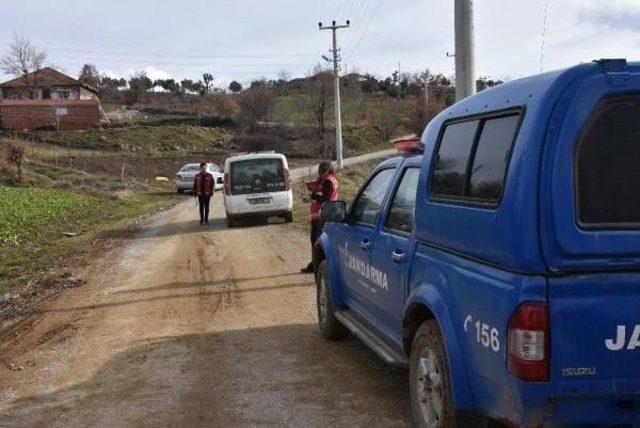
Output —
(246, 39)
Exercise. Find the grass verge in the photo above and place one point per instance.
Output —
(350, 179)
(34, 221)
(148, 140)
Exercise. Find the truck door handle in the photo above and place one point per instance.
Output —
(365, 244)
(397, 256)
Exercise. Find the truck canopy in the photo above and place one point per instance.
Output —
(570, 196)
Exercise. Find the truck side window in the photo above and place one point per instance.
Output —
(369, 202)
(472, 160)
(492, 157)
(608, 166)
(453, 156)
(401, 213)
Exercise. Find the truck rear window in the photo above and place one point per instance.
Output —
(257, 176)
(608, 166)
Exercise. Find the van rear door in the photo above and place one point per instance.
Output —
(590, 233)
(259, 175)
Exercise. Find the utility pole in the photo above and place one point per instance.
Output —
(336, 83)
(464, 56)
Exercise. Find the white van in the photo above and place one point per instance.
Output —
(257, 185)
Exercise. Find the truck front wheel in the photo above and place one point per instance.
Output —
(430, 379)
(329, 325)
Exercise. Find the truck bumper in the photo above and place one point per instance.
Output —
(532, 406)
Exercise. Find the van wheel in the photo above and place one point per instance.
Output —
(288, 217)
(430, 380)
(180, 191)
(230, 221)
(329, 325)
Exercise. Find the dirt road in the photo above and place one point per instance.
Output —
(187, 326)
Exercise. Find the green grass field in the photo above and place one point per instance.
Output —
(29, 212)
(350, 179)
(33, 221)
(143, 140)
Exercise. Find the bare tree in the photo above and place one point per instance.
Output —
(318, 88)
(207, 78)
(89, 76)
(15, 152)
(255, 105)
(283, 82)
(388, 118)
(23, 61)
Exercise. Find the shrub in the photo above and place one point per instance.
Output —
(14, 154)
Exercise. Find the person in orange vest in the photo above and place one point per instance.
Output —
(325, 188)
(203, 189)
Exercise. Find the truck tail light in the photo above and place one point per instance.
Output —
(287, 178)
(226, 183)
(528, 343)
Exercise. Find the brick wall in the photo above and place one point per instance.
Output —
(31, 114)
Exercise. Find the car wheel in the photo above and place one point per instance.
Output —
(329, 325)
(230, 221)
(430, 380)
(180, 191)
(288, 217)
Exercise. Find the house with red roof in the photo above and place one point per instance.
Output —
(48, 99)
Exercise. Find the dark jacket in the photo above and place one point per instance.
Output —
(203, 184)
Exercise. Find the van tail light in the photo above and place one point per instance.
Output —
(528, 343)
(226, 183)
(287, 178)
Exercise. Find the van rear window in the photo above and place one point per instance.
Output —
(257, 176)
(608, 166)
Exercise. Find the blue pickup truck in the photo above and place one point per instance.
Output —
(498, 258)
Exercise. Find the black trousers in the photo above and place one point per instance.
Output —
(316, 231)
(203, 202)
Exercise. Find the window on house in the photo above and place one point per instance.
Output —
(608, 166)
(64, 94)
(46, 93)
(471, 166)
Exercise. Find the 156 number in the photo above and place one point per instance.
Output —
(487, 336)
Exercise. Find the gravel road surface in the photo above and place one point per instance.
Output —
(185, 326)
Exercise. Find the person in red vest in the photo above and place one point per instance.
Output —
(203, 188)
(325, 188)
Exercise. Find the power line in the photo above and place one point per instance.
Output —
(174, 55)
(353, 18)
(358, 19)
(544, 32)
(366, 28)
(93, 58)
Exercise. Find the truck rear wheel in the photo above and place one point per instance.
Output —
(430, 379)
(288, 217)
(329, 325)
(230, 221)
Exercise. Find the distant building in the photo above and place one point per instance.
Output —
(48, 99)
(46, 84)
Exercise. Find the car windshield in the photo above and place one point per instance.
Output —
(257, 176)
(190, 168)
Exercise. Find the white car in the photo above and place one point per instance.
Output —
(186, 175)
(257, 185)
